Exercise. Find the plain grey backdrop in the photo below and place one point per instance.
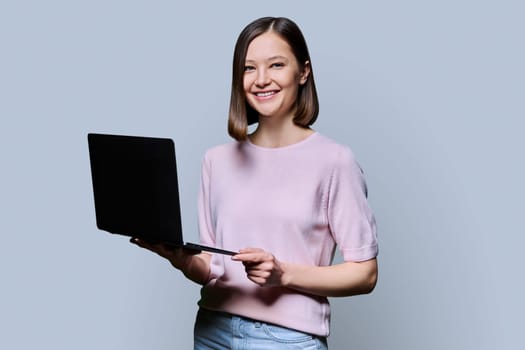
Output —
(429, 94)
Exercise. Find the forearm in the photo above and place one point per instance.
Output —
(345, 279)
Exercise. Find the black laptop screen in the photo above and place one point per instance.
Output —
(135, 186)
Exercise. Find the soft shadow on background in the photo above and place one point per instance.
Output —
(429, 96)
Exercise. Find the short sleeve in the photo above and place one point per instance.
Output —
(350, 217)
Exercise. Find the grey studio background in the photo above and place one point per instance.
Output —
(430, 96)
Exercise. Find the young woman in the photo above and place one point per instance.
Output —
(283, 196)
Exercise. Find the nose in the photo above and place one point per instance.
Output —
(262, 78)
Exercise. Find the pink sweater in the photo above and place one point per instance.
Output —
(296, 202)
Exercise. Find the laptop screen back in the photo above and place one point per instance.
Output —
(135, 187)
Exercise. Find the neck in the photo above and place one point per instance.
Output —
(278, 133)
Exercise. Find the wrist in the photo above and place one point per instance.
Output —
(287, 274)
(181, 262)
(197, 268)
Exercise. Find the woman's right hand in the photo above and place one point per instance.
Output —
(193, 264)
(178, 257)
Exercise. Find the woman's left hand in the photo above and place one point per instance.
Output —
(261, 267)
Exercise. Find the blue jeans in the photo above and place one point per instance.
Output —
(222, 331)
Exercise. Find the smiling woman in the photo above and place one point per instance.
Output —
(272, 78)
(289, 50)
(284, 197)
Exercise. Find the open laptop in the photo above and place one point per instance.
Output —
(136, 190)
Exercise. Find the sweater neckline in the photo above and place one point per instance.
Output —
(277, 149)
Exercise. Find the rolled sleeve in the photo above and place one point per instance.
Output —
(351, 220)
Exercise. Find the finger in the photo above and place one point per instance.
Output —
(245, 254)
(160, 249)
(258, 273)
(140, 243)
(251, 250)
(252, 257)
(258, 280)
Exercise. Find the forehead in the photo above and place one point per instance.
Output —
(268, 45)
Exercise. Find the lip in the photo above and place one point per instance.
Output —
(266, 94)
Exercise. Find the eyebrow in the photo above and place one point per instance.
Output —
(273, 58)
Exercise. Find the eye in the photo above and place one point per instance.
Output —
(277, 65)
(249, 68)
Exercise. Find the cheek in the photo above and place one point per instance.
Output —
(291, 83)
(290, 80)
(246, 83)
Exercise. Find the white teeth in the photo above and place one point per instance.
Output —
(264, 94)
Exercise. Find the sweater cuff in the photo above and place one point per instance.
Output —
(360, 254)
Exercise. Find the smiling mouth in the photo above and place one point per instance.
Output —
(265, 93)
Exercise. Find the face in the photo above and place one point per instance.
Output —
(272, 76)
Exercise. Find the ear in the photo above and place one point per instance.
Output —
(305, 73)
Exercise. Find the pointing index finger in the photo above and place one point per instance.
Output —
(249, 255)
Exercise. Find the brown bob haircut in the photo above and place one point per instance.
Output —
(241, 113)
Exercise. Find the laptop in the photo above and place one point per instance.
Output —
(136, 191)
